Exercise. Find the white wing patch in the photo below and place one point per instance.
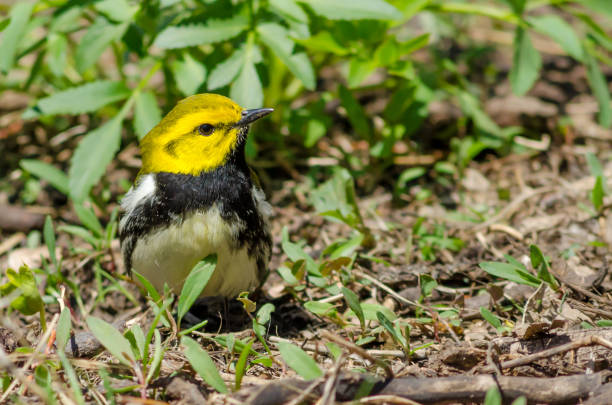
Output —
(263, 206)
(136, 196)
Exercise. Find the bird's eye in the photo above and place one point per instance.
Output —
(206, 129)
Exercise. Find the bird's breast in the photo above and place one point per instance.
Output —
(168, 254)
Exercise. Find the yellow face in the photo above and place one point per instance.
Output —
(196, 136)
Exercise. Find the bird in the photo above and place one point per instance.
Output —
(194, 196)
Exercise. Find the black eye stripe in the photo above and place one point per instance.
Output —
(206, 129)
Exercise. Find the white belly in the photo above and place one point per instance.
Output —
(168, 255)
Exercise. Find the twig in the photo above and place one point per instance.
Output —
(583, 342)
(509, 209)
(353, 348)
(332, 298)
(331, 385)
(493, 361)
(383, 286)
(324, 350)
(386, 399)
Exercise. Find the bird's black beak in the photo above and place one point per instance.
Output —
(248, 116)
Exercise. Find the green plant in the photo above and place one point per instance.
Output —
(336, 199)
(599, 191)
(194, 285)
(430, 242)
(299, 361)
(516, 271)
(272, 51)
(22, 291)
(202, 364)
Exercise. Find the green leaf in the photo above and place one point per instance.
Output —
(49, 235)
(561, 32)
(509, 272)
(226, 71)
(518, 6)
(471, 107)
(299, 361)
(147, 286)
(111, 339)
(526, 63)
(264, 313)
(336, 199)
(320, 308)
(199, 34)
(520, 401)
(493, 397)
(67, 20)
(146, 113)
(30, 301)
(343, 250)
(4, 23)
(189, 74)
(13, 34)
(408, 175)
(597, 194)
(427, 284)
(276, 37)
(599, 86)
(538, 261)
(116, 10)
(80, 232)
(241, 363)
(72, 377)
(89, 219)
(490, 317)
(203, 364)
(598, 34)
(247, 90)
(386, 323)
(92, 155)
(97, 38)
(57, 46)
(292, 250)
(354, 9)
(195, 283)
(594, 164)
(62, 331)
(359, 70)
(47, 172)
(353, 302)
(81, 99)
(600, 6)
(289, 8)
(604, 323)
(414, 44)
(158, 355)
(323, 42)
(371, 309)
(136, 337)
(42, 377)
(355, 112)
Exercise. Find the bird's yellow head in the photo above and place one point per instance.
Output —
(198, 135)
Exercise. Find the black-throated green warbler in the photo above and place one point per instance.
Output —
(194, 196)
